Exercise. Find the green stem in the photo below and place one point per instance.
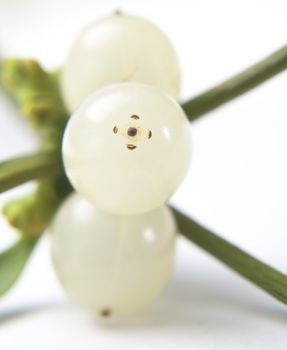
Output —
(257, 272)
(19, 170)
(236, 86)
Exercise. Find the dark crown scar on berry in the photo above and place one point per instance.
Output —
(106, 313)
(132, 132)
(131, 147)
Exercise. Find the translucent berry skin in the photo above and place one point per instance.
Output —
(112, 265)
(127, 148)
(115, 49)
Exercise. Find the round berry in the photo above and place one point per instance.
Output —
(112, 265)
(127, 148)
(115, 49)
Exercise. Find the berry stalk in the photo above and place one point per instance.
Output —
(37, 96)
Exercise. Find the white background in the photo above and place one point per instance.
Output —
(236, 185)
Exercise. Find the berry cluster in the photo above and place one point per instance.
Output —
(126, 149)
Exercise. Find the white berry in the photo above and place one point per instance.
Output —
(112, 265)
(116, 49)
(127, 148)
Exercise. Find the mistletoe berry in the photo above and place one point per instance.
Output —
(115, 49)
(112, 265)
(127, 148)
